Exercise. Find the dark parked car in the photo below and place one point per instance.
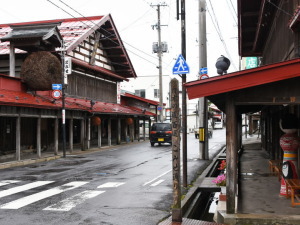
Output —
(160, 133)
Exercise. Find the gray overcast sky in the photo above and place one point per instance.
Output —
(134, 20)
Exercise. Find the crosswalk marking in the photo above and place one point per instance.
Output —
(157, 183)
(5, 182)
(69, 203)
(157, 177)
(111, 184)
(41, 195)
(23, 188)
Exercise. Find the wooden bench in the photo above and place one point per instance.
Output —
(294, 186)
(275, 167)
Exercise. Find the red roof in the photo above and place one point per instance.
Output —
(243, 79)
(12, 93)
(18, 98)
(152, 102)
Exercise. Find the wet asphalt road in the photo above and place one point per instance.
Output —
(129, 185)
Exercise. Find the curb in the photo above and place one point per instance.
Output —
(24, 162)
(27, 162)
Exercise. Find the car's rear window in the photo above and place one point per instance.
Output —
(161, 127)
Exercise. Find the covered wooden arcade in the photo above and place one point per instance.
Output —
(271, 90)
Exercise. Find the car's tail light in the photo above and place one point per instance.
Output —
(168, 132)
(152, 132)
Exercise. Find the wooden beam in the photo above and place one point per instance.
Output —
(95, 47)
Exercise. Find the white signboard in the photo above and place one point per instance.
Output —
(118, 92)
(67, 68)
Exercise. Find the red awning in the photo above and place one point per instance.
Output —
(243, 79)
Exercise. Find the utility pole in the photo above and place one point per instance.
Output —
(203, 115)
(159, 54)
(184, 111)
(183, 76)
(63, 111)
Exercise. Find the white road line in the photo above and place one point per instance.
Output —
(157, 183)
(19, 203)
(24, 187)
(110, 185)
(69, 203)
(5, 182)
(156, 178)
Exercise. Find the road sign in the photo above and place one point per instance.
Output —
(203, 70)
(56, 94)
(180, 67)
(203, 76)
(56, 86)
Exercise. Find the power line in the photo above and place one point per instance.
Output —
(108, 37)
(234, 14)
(216, 25)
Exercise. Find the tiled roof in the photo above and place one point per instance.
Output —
(75, 30)
(71, 30)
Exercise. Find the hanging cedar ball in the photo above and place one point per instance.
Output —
(96, 121)
(129, 121)
(40, 70)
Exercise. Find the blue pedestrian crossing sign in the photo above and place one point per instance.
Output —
(181, 67)
(203, 70)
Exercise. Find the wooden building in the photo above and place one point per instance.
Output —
(269, 30)
(30, 62)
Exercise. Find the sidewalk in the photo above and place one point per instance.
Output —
(258, 192)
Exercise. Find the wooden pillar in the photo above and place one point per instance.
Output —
(149, 126)
(71, 121)
(18, 138)
(126, 132)
(231, 154)
(137, 129)
(144, 129)
(99, 136)
(239, 130)
(109, 132)
(88, 138)
(176, 207)
(82, 126)
(131, 132)
(38, 137)
(119, 131)
(250, 124)
(56, 136)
